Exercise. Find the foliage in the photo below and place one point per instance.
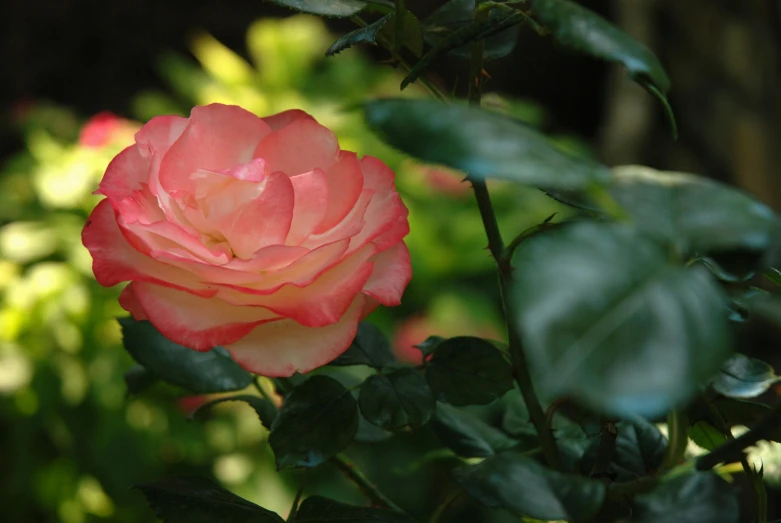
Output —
(611, 320)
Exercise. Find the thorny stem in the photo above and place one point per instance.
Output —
(344, 464)
(296, 501)
(367, 487)
(433, 89)
(496, 246)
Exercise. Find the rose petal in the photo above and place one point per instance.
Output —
(391, 275)
(345, 184)
(217, 137)
(114, 260)
(382, 215)
(351, 225)
(377, 175)
(198, 323)
(124, 174)
(262, 221)
(322, 302)
(301, 146)
(311, 204)
(285, 118)
(282, 348)
(129, 302)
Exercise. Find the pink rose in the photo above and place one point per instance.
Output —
(256, 234)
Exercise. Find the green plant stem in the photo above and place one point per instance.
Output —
(296, 501)
(398, 35)
(437, 515)
(496, 246)
(367, 487)
(343, 463)
(677, 440)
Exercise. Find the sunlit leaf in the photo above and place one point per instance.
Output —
(744, 377)
(195, 499)
(317, 421)
(265, 410)
(336, 8)
(527, 488)
(482, 143)
(706, 435)
(202, 372)
(605, 317)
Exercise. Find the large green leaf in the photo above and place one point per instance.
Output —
(370, 347)
(266, 411)
(468, 371)
(694, 498)
(397, 401)
(336, 8)
(744, 377)
(583, 30)
(605, 317)
(692, 212)
(706, 435)
(317, 421)
(317, 509)
(527, 488)
(455, 39)
(482, 143)
(457, 14)
(138, 379)
(202, 372)
(195, 499)
(469, 436)
(363, 35)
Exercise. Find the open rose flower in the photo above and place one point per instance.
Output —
(256, 234)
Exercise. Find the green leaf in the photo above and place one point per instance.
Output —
(470, 32)
(606, 318)
(265, 410)
(583, 30)
(317, 421)
(429, 345)
(469, 436)
(317, 509)
(456, 14)
(773, 274)
(138, 379)
(670, 206)
(694, 498)
(468, 371)
(363, 35)
(638, 452)
(482, 143)
(368, 433)
(201, 372)
(706, 435)
(397, 401)
(527, 488)
(412, 34)
(741, 412)
(744, 377)
(370, 348)
(335, 8)
(195, 499)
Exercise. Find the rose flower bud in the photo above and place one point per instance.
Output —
(256, 234)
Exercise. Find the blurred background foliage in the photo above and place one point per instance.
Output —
(72, 440)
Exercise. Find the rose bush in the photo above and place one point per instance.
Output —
(256, 234)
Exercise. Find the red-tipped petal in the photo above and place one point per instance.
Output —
(391, 275)
(301, 146)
